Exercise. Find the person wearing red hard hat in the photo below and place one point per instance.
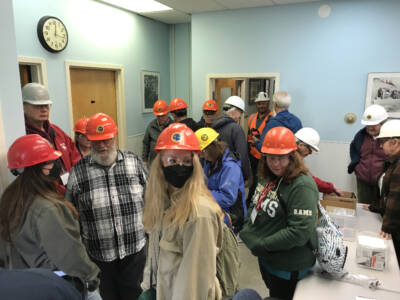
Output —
(41, 226)
(81, 141)
(184, 222)
(153, 130)
(107, 188)
(178, 110)
(37, 103)
(210, 108)
(280, 228)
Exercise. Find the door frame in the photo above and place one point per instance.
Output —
(39, 70)
(120, 94)
(210, 81)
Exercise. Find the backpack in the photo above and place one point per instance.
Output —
(331, 252)
(228, 262)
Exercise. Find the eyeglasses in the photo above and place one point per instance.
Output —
(209, 112)
(170, 161)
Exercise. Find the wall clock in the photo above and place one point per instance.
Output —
(52, 34)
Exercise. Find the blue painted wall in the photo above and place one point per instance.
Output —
(323, 63)
(181, 63)
(102, 34)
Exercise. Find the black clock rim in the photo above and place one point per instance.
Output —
(41, 37)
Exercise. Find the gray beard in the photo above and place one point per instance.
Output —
(109, 160)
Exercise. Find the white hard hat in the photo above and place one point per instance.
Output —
(262, 96)
(389, 129)
(35, 94)
(308, 136)
(235, 101)
(374, 115)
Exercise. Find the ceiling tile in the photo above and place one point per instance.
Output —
(169, 16)
(236, 4)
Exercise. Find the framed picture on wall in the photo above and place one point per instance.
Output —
(150, 89)
(384, 89)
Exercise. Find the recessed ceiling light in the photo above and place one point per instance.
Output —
(138, 6)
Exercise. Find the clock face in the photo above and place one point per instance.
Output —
(52, 34)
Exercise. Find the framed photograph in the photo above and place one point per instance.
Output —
(150, 89)
(384, 89)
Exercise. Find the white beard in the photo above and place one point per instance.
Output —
(107, 161)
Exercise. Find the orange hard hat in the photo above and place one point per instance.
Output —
(80, 125)
(30, 150)
(279, 140)
(177, 136)
(210, 105)
(100, 127)
(177, 104)
(160, 108)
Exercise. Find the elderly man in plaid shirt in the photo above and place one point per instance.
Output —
(107, 188)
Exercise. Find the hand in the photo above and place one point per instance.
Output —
(365, 206)
(385, 235)
(338, 192)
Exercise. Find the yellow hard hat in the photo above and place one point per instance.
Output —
(206, 136)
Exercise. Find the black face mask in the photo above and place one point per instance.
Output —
(177, 175)
(56, 169)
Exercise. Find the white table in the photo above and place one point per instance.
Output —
(315, 287)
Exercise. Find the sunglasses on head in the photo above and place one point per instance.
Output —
(209, 112)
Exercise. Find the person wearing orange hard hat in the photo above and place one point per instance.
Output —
(184, 222)
(210, 108)
(280, 227)
(153, 130)
(178, 110)
(39, 224)
(107, 188)
(81, 141)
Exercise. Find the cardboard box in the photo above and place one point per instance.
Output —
(349, 201)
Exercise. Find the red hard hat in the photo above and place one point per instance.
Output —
(177, 136)
(160, 108)
(279, 140)
(210, 105)
(177, 104)
(80, 125)
(100, 127)
(30, 150)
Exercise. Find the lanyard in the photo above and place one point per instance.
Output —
(267, 188)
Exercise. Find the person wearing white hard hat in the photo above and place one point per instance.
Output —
(37, 103)
(307, 140)
(256, 124)
(389, 201)
(232, 133)
(367, 157)
(281, 102)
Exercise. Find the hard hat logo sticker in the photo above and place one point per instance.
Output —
(100, 129)
(368, 117)
(176, 137)
(204, 137)
(159, 109)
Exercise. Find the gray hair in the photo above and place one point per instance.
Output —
(282, 99)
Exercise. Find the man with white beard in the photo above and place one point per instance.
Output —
(107, 188)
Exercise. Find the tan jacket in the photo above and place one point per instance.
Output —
(184, 261)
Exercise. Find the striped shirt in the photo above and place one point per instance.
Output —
(110, 205)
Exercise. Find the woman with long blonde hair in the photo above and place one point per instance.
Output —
(184, 222)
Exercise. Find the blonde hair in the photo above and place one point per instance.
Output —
(178, 204)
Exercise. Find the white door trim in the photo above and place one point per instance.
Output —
(120, 94)
(39, 72)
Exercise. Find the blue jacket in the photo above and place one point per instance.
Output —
(283, 118)
(355, 149)
(226, 182)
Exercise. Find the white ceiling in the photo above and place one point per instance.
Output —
(182, 9)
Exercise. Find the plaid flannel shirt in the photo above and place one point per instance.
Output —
(110, 205)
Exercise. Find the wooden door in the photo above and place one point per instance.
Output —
(93, 91)
(224, 83)
(25, 74)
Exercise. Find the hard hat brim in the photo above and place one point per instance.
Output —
(101, 137)
(39, 102)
